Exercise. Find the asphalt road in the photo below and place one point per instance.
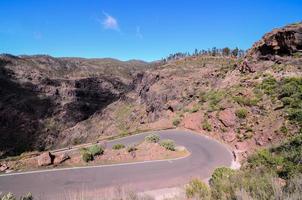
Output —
(206, 155)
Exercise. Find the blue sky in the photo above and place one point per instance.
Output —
(137, 29)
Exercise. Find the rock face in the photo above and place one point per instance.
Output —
(45, 159)
(40, 96)
(193, 121)
(280, 42)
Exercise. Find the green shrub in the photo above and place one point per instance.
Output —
(27, 197)
(202, 97)
(176, 121)
(168, 144)
(241, 113)
(152, 138)
(245, 101)
(289, 92)
(87, 156)
(220, 174)
(269, 85)
(214, 98)
(195, 108)
(206, 126)
(284, 160)
(96, 150)
(131, 148)
(283, 129)
(11, 196)
(196, 189)
(118, 146)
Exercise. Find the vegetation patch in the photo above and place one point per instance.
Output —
(206, 126)
(131, 148)
(168, 144)
(176, 121)
(260, 177)
(86, 156)
(196, 189)
(118, 146)
(289, 92)
(152, 138)
(96, 150)
(246, 101)
(241, 113)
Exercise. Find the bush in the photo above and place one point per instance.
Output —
(152, 138)
(198, 190)
(176, 121)
(206, 126)
(219, 174)
(8, 196)
(96, 150)
(131, 148)
(87, 156)
(245, 101)
(118, 146)
(241, 113)
(168, 144)
(269, 85)
(27, 197)
(11, 196)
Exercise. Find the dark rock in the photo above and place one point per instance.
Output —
(278, 43)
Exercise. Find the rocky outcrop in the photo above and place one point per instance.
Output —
(280, 42)
(45, 159)
(60, 158)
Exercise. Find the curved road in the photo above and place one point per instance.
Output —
(206, 155)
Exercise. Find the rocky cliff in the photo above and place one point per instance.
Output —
(285, 41)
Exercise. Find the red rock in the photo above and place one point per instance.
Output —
(229, 136)
(227, 117)
(193, 121)
(61, 158)
(242, 146)
(45, 159)
(3, 167)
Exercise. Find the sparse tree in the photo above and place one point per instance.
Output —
(235, 52)
(226, 51)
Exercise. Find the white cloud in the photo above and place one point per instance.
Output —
(139, 33)
(110, 22)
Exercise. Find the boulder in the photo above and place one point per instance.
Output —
(229, 136)
(3, 167)
(227, 117)
(61, 158)
(45, 159)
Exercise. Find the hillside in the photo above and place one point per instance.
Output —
(51, 102)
